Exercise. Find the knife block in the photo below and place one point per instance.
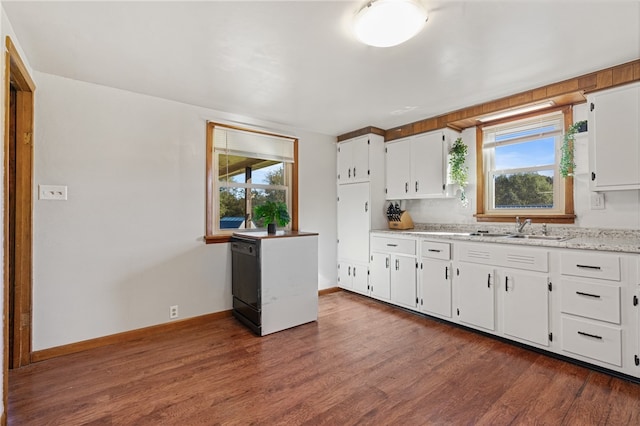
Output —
(405, 222)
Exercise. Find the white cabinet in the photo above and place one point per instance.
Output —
(591, 306)
(353, 160)
(416, 166)
(435, 278)
(360, 206)
(393, 270)
(476, 295)
(614, 132)
(525, 305)
(520, 275)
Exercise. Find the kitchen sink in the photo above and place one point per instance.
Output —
(540, 237)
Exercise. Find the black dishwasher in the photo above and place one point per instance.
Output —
(246, 282)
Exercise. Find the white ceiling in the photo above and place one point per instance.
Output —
(296, 62)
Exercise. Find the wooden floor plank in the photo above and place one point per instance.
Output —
(362, 362)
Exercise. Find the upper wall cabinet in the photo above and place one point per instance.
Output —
(614, 131)
(416, 167)
(353, 160)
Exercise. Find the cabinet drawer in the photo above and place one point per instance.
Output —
(436, 250)
(595, 341)
(591, 300)
(603, 266)
(393, 245)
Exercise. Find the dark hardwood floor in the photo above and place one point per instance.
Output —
(361, 363)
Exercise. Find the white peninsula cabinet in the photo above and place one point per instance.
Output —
(614, 132)
(416, 167)
(360, 206)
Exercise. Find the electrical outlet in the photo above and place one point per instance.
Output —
(173, 312)
(52, 192)
(597, 201)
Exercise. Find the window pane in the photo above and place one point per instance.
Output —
(540, 152)
(524, 190)
(239, 169)
(232, 208)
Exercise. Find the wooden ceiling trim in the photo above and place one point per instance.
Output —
(362, 132)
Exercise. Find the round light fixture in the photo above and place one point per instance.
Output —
(385, 23)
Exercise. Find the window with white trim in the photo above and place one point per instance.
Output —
(521, 166)
(249, 168)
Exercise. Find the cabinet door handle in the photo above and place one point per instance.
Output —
(354, 272)
(435, 250)
(397, 264)
(354, 171)
(366, 206)
(597, 296)
(349, 172)
(446, 272)
(488, 280)
(387, 263)
(593, 176)
(349, 271)
(595, 268)
(416, 186)
(506, 283)
(582, 333)
(406, 187)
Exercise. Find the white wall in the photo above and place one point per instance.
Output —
(128, 242)
(622, 207)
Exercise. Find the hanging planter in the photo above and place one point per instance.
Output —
(567, 159)
(459, 172)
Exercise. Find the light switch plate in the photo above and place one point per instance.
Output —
(52, 192)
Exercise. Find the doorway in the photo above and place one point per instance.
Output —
(18, 211)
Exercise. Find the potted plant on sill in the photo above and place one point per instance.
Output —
(459, 172)
(271, 213)
(567, 159)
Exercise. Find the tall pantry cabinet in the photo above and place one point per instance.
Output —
(361, 200)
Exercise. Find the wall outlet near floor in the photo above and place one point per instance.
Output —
(173, 312)
(597, 201)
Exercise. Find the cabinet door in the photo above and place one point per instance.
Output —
(435, 282)
(397, 169)
(403, 280)
(379, 280)
(359, 277)
(476, 301)
(427, 165)
(345, 160)
(344, 275)
(526, 305)
(360, 159)
(614, 130)
(353, 222)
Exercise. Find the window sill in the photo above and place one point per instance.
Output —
(556, 218)
(217, 239)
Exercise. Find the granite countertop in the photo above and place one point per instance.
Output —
(614, 240)
(261, 234)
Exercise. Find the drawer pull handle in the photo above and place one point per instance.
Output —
(597, 296)
(392, 245)
(488, 280)
(435, 251)
(595, 268)
(590, 335)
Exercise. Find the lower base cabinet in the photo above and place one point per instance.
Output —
(476, 295)
(525, 298)
(353, 276)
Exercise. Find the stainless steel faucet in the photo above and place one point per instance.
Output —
(520, 225)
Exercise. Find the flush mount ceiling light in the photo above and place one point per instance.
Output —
(385, 23)
(516, 111)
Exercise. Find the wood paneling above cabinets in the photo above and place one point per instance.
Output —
(568, 92)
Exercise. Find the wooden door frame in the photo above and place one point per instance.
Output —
(16, 74)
